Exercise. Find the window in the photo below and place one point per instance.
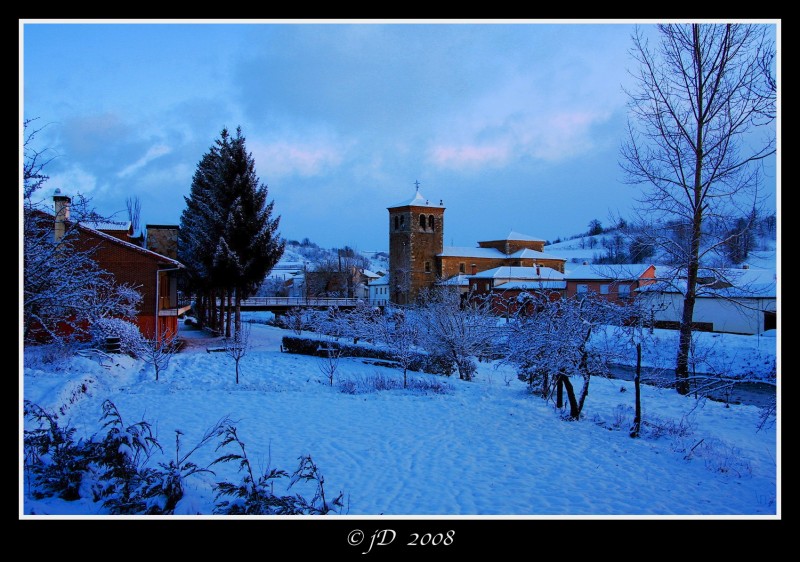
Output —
(396, 222)
(624, 291)
(402, 221)
(603, 289)
(430, 222)
(422, 222)
(462, 267)
(427, 267)
(583, 288)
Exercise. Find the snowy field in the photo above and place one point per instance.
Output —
(486, 447)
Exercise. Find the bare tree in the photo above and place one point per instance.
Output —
(134, 207)
(561, 338)
(158, 352)
(400, 332)
(700, 96)
(328, 359)
(237, 346)
(457, 329)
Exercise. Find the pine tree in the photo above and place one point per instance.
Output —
(229, 237)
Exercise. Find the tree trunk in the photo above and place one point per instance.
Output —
(685, 337)
(559, 392)
(637, 417)
(200, 309)
(229, 309)
(238, 320)
(574, 411)
(212, 307)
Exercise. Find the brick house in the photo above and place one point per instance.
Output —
(511, 288)
(615, 282)
(152, 274)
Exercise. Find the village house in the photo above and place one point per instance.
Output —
(153, 274)
(379, 291)
(615, 282)
(742, 301)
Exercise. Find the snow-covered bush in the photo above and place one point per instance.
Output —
(130, 338)
(54, 462)
(378, 382)
(422, 362)
(254, 493)
(122, 455)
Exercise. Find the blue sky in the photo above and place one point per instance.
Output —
(515, 126)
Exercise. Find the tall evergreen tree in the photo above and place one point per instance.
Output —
(229, 238)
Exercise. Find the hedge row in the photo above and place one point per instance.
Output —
(422, 362)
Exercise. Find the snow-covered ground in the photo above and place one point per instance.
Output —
(486, 447)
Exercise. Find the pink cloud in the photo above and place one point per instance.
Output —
(285, 159)
(473, 156)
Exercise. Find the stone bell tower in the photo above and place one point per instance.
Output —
(416, 237)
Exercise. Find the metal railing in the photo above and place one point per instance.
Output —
(319, 302)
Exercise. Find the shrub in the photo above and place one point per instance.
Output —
(255, 494)
(54, 461)
(422, 362)
(130, 338)
(379, 382)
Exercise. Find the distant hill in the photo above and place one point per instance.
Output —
(305, 253)
(614, 245)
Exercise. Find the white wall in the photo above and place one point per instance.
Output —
(745, 316)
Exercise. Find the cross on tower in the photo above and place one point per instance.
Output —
(417, 184)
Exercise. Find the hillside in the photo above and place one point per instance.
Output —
(614, 245)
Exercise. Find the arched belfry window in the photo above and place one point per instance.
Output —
(431, 223)
(402, 221)
(422, 222)
(396, 222)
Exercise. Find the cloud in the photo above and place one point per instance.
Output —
(73, 180)
(495, 142)
(86, 136)
(469, 156)
(152, 153)
(305, 159)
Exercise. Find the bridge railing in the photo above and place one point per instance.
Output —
(299, 301)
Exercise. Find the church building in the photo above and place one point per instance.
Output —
(419, 259)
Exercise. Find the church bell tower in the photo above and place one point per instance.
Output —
(416, 237)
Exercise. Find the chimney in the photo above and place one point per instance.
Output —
(745, 266)
(474, 269)
(61, 207)
(586, 263)
(538, 271)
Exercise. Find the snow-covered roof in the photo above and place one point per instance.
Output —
(382, 280)
(459, 280)
(531, 285)
(97, 225)
(519, 273)
(418, 200)
(528, 253)
(726, 283)
(518, 237)
(607, 271)
(370, 274)
(124, 244)
(467, 252)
